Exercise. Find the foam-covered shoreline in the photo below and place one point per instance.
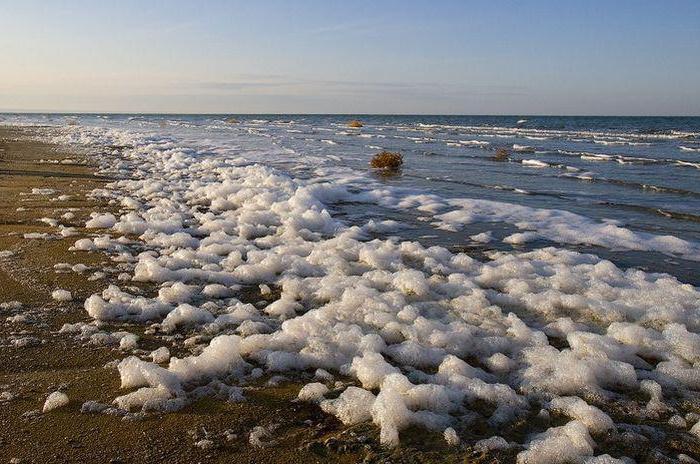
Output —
(428, 334)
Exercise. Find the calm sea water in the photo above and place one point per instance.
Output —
(643, 172)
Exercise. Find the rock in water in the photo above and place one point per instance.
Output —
(387, 160)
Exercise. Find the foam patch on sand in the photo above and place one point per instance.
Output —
(430, 337)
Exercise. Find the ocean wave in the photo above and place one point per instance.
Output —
(535, 163)
(523, 148)
(625, 159)
(602, 137)
(687, 164)
(474, 143)
(678, 215)
(591, 177)
(596, 157)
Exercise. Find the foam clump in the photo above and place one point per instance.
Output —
(61, 295)
(185, 314)
(55, 400)
(483, 237)
(43, 191)
(84, 244)
(312, 392)
(390, 413)
(371, 369)
(160, 355)
(593, 418)
(101, 221)
(93, 407)
(261, 437)
(451, 436)
(568, 443)
(147, 399)
(128, 342)
(353, 406)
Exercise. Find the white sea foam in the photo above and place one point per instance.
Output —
(688, 164)
(523, 148)
(55, 400)
(425, 333)
(474, 143)
(61, 295)
(535, 163)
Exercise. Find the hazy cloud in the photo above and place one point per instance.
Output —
(291, 85)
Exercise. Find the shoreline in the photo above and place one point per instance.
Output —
(38, 360)
(243, 275)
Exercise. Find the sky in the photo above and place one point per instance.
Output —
(621, 57)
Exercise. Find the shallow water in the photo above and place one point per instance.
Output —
(642, 172)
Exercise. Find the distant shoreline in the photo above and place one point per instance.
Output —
(349, 115)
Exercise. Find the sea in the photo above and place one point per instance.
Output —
(640, 173)
(529, 281)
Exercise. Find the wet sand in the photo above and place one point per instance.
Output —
(36, 360)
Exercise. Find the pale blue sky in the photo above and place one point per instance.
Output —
(464, 57)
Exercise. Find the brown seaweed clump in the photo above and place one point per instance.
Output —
(232, 120)
(501, 155)
(387, 160)
(355, 123)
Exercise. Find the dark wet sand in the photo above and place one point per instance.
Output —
(54, 361)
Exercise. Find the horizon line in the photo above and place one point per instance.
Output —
(169, 113)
